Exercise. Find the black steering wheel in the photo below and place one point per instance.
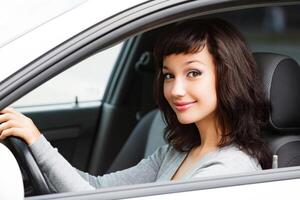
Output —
(26, 161)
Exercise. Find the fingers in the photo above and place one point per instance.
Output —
(8, 110)
(14, 123)
(9, 132)
(7, 113)
(8, 129)
(10, 123)
(6, 117)
(10, 114)
(5, 126)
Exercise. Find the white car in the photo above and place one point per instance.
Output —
(85, 66)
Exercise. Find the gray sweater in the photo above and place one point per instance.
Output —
(160, 166)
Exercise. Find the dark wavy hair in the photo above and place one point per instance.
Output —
(242, 108)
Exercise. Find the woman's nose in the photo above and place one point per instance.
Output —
(178, 88)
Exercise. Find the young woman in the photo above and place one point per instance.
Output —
(211, 97)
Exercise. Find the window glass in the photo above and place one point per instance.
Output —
(86, 81)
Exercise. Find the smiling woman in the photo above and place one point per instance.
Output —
(207, 63)
(190, 82)
(205, 133)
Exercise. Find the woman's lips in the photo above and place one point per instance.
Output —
(182, 106)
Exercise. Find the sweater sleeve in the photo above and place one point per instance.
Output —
(65, 178)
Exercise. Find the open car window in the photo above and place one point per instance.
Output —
(88, 80)
(84, 129)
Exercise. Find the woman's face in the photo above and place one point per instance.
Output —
(189, 86)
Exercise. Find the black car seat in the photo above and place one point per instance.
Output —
(281, 79)
(146, 137)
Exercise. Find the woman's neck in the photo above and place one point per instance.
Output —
(209, 131)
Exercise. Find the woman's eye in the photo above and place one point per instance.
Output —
(167, 76)
(193, 74)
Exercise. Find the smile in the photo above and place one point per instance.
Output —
(182, 106)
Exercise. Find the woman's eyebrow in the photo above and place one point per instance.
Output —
(193, 61)
(186, 63)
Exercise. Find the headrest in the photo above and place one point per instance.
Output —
(281, 79)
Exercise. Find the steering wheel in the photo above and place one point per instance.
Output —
(26, 160)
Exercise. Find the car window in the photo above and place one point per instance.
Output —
(274, 30)
(86, 81)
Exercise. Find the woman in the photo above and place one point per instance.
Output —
(212, 102)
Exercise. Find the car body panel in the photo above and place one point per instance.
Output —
(248, 192)
(236, 186)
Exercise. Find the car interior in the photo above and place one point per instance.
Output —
(126, 125)
(280, 75)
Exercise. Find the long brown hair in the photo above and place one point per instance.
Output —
(241, 104)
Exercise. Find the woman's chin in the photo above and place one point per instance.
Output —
(185, 121)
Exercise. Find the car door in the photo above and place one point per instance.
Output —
(127, 29)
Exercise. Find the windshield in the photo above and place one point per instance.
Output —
(19, 17)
